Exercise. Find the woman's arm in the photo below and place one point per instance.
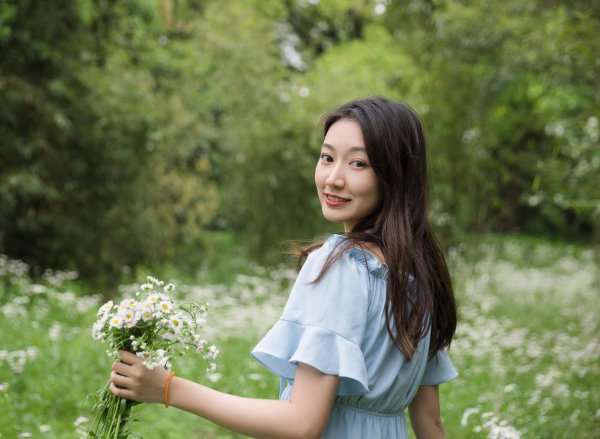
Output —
(424, 412)
(305, 415)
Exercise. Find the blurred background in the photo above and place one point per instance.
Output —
(178, 138)
(155, 131)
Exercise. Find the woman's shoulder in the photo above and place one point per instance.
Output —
(350, 253)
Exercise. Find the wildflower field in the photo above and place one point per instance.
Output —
(527, 347)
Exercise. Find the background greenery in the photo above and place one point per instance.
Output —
(179, 137)
(131, 131)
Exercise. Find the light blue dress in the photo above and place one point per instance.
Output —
(337, 326)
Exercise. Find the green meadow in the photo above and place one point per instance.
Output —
(527, 346)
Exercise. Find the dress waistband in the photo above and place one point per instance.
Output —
(368, 412)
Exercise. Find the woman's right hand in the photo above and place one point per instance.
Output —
(130, 379)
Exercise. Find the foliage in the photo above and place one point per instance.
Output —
(134, 132)
(93, 173)
(508, 88)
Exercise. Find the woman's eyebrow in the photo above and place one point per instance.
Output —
(352, 149)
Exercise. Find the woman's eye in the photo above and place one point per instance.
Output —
(358, 163)
(326, 158)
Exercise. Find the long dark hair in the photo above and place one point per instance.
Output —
(396, 148)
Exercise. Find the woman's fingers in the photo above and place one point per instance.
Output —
(121, 380)
(127, 364)
(121, 392)
(129, 358)
(123, 369)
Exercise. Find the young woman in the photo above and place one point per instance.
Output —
(363, 334)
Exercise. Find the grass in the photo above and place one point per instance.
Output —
(527, 347)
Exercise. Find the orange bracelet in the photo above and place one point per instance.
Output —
(167, 382)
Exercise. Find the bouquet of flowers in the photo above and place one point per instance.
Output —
(155, 328)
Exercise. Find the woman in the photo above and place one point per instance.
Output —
(362, 335)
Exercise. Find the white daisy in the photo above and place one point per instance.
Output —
(105, 309)
(128, 304)
(130, 318)
(175, 323)
(97, 332)
(144, 355)
(155, 281)
(145, 313)
(116, 322)
(165, 306)
(213, 352)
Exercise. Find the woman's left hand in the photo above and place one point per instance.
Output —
(130, 379)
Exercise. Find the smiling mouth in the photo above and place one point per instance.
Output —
(332, 200)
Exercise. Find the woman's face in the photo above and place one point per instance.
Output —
(346, 183)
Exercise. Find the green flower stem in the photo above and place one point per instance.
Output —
(112, 416)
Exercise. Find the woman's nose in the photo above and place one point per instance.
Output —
(335, 178)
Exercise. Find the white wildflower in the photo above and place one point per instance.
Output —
(80, 421)
(116, 322)
(213, 352)
(127, 304)
(214, 377)
(201, 345)
(145, 312)
(165, 306)
(144, 355)
(97, 330)
(468, 412)
(154, 281)
(105, 309)
(55, 331)
(130, 318)
(175, 323)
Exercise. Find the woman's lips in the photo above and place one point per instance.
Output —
(333, 200)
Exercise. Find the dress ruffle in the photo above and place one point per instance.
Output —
(365, 257)
(439, 370)
(289, 343)
(369, 261)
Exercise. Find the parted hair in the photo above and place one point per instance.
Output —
(395, 141)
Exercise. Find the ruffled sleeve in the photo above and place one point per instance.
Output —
(323, 324)
(439, 370)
